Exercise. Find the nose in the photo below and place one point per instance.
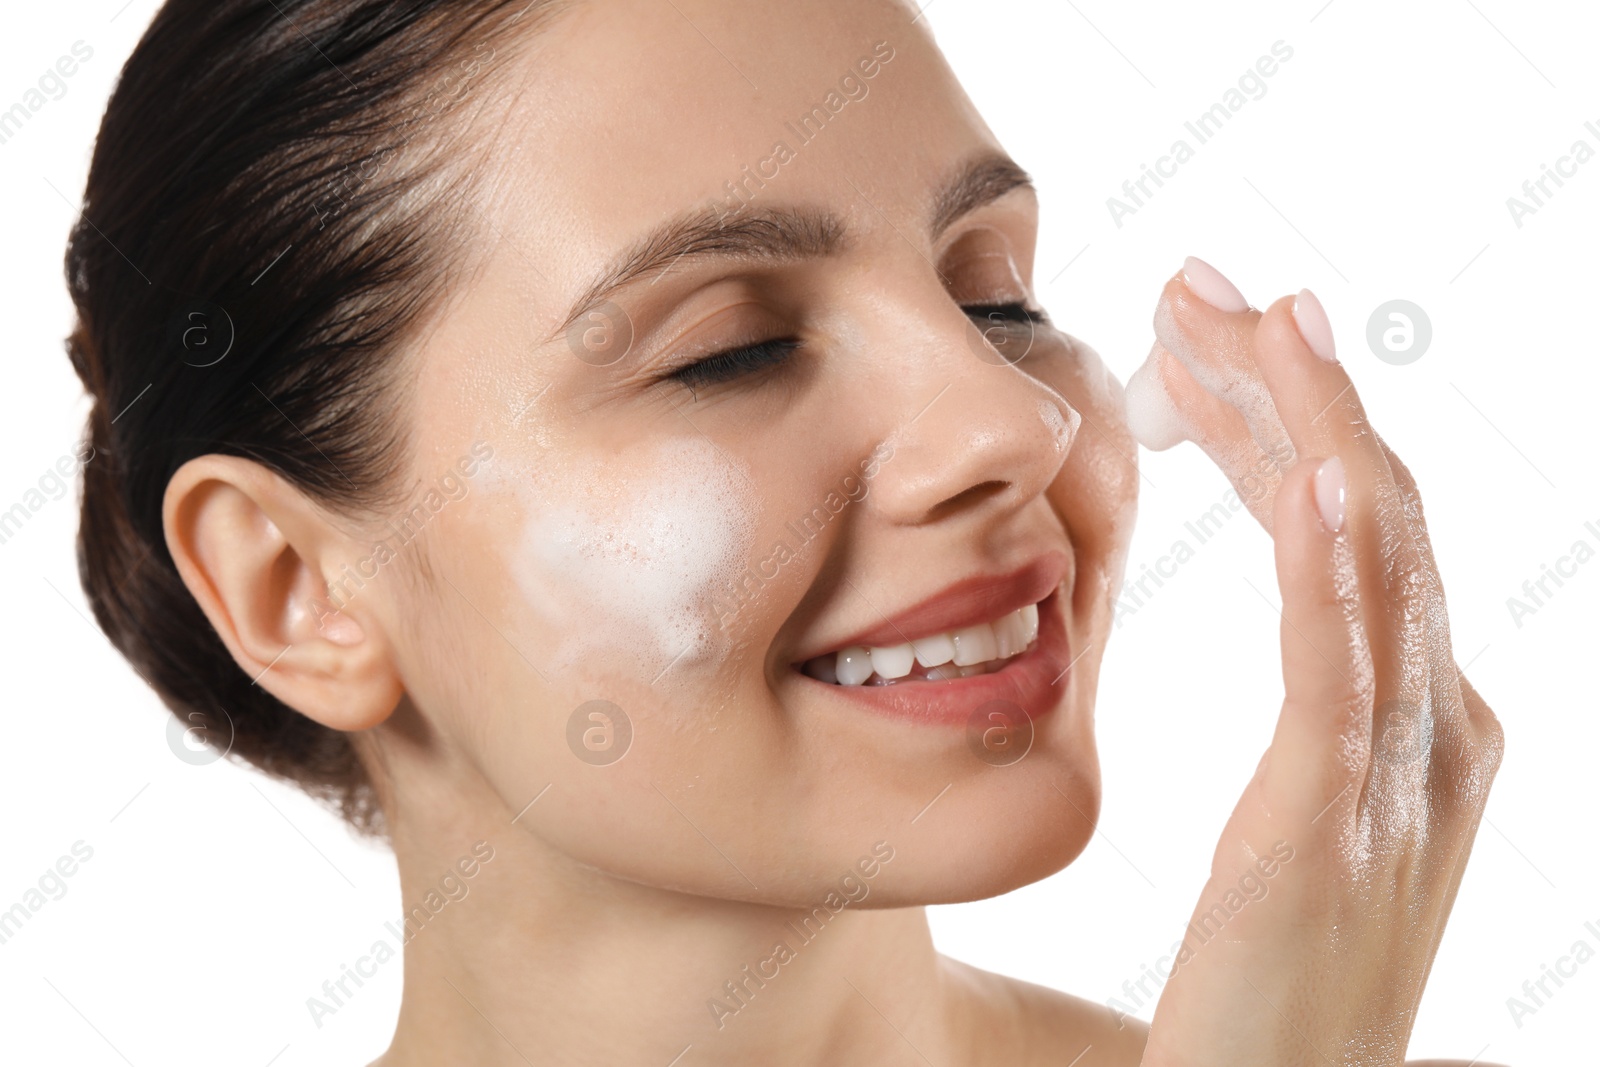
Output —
(974, 435)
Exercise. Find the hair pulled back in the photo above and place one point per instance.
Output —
(280, 192)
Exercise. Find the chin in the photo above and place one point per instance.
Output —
(1022, 825)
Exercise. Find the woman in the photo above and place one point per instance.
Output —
(613, 451)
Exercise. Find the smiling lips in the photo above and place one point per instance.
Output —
(978, 649)
(980, 640)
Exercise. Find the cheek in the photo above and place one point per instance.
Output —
(1101, 396)
(1104, 460)
(628, 559)
(1097, 491)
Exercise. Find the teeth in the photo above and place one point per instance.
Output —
(854, 666)
(822, 669)
(935, 651)
(1010, 634)
(893, 662)
(974, 644)
(961, 653)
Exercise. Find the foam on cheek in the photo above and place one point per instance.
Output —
(630, 564)
(1058, 425)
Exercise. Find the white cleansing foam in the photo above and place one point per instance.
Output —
(627, 565)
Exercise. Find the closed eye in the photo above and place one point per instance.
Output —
(736, 363)
(766, 355)
(1013, 312)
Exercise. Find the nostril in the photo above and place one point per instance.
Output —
(968, 498)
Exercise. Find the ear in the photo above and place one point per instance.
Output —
(256, 554)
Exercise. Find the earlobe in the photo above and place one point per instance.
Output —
(253, 551)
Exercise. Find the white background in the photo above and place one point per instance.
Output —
(1377, 166)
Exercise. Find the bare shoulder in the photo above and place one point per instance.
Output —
(1025, 1024)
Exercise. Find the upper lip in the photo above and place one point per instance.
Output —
(981, 598)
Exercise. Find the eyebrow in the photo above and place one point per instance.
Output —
(979, 183)
(782, 235)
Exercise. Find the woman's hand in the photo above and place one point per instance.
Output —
(1330, 887)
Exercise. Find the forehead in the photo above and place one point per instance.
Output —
(626, 112)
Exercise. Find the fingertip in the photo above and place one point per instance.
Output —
(1278, 330)
(1184, 316)
(1328, 491)
(1175, 310)
(1298, 506)
(1308, 515)
(1211, 285)
(1314, 325)
(1325, 662)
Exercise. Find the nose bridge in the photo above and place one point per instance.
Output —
(973, 431)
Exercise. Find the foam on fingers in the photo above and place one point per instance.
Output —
(1223, 363)
(1153, 416)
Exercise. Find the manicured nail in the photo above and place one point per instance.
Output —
(1328, 486)
(1314, 325)
(1206, 282)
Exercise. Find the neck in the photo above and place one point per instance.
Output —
(534, 958)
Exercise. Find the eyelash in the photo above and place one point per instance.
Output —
(1013, 312)
(736, 362)
(751, 359)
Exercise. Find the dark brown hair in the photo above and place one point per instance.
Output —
(279, 193)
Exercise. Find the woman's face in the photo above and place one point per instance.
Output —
(692, 543)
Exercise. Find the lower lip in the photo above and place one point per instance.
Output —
(1031, 681)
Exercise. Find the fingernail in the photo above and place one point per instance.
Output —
(1314, 325)
(1328, 487)
(1206, 282)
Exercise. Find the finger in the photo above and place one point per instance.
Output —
(1166, 405)
(1411, 507)
(1425, 752)
(1324, 416)
(1484, 727)
(1440, 734)
(1322, 742)
(1455, 734)
(1216, 347)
